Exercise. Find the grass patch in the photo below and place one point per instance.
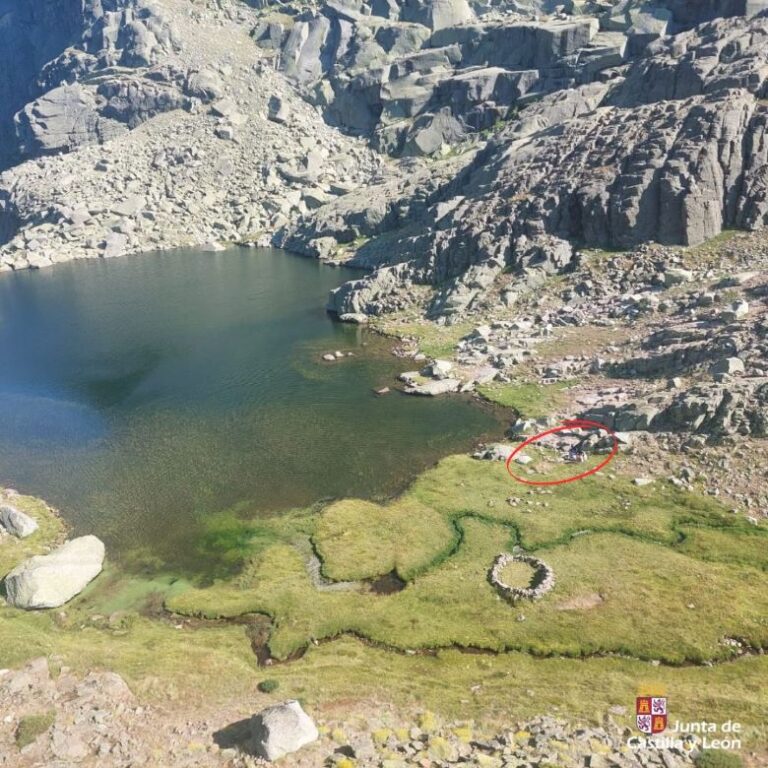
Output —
(269, 685)
(531, 401)
(211, 666)
(453, 604)
(359, 540)
(516, 574)
(31, 727)
(604, 502)
(676, 574)
(437, 341)
(157, 660)
(712, 246)
(738, 544)
(715, 758)
(627, 551)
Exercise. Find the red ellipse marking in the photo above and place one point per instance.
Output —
(566, 425)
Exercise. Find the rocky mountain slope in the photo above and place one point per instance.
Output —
(157, 133)
(669, 150)
(127, 125)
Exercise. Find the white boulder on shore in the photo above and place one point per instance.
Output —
(282, 729)
(16, 522)
(435, 387)
(48, 581)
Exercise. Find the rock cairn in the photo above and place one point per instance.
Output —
(543, 579)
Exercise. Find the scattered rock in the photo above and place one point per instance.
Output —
(730, 366)
(281, 730)
(16, 522)
(439, 369)
(434, 388)
(676, 276)
(358, 318)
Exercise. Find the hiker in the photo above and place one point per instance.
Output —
(577, 454)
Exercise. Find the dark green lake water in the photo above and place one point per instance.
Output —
(141, 395)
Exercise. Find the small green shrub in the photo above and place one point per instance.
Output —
(269, 685)
(715, 758)
(32, 726)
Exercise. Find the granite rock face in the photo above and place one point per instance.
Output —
(671, 151)
(392, 69)
(75, 73)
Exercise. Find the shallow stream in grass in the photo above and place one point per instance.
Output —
(144, 395)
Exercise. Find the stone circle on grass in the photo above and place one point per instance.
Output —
(543, 579)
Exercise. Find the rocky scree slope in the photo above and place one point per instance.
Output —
(95, 719)
(153, 125)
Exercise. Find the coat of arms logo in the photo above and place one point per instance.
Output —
(651, 713)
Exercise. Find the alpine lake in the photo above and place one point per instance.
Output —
(145, 397)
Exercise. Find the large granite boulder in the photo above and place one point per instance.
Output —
(48, 581)
(16, 522)
(437, 14)
(62, 119)
(518, 45)
(282, 729)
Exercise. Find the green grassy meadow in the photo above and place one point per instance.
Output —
(651, 582)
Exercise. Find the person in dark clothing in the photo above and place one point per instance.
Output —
(577, 454)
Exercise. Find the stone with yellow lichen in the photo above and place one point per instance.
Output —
(441, 749)
(487, 761)
(427, 721)
(599, 746)
(463, 733)
(381, 735)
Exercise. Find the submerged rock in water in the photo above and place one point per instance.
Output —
(16, 522)
(282, 729)
(48, 581)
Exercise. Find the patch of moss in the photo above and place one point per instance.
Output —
(437, 341)
(626, 552)
(531, 401)
(31, 727)
(358, 539)
(715, 758)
